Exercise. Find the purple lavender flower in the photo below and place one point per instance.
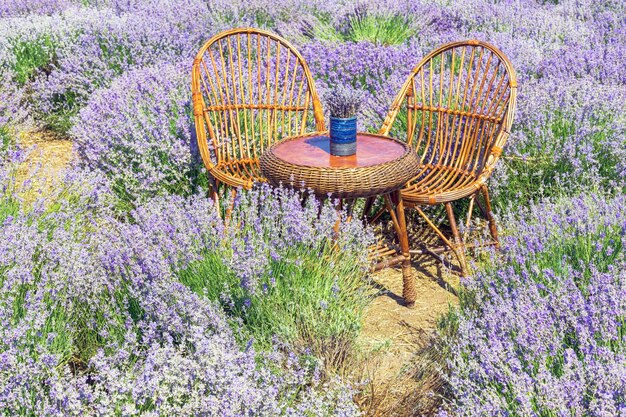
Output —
(545, 329)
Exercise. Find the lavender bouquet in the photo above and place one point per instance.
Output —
(343, 103)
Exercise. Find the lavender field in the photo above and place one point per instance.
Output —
(123, 293)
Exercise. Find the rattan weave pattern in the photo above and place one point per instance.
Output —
(342, 182)
(456, 109)
(458, 105)
(250, 88)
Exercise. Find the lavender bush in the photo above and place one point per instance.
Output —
(342, 64)
(94, 318)
(11, 157)
(12, 113)
(542, 333)
(13, 8)
(573, 142)
(139, 133)
(86, 48)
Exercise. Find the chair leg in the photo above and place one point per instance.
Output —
(213, 192)
(489, 214)
(231, 206)
(459, 247)
(468, 220)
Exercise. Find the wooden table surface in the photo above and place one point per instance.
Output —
(315, 152)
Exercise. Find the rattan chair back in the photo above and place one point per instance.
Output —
(456, 110)
(250, 89)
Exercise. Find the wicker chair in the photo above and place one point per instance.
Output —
(250, 89)
(456, 110)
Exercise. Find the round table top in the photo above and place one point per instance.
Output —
(314, 151)
(381, 165)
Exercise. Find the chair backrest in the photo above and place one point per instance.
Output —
(456, 107)
(250, 89)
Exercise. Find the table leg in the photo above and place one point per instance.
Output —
(369, 202)
(408, 289)
(399, 223)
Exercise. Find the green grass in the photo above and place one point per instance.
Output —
(394, 29)
(5, 139)
(32, 57)
(381, 29)
(323, 29)
(9, 205)
(315, 303)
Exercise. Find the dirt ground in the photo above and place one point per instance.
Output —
(48, 154)
(400, 359)
(393, 332)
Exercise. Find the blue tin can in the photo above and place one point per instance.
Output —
(342, 136)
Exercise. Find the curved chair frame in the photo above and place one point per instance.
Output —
(458, 127)
(250, 89)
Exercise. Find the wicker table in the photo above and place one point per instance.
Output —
(381, 167)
